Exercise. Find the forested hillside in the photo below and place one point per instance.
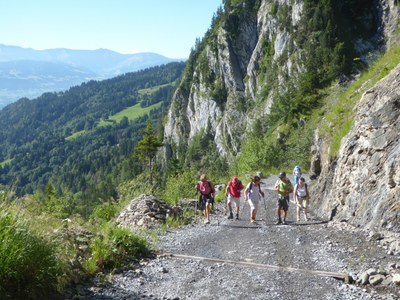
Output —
(79, 143)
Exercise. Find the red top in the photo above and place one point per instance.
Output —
(235, 186)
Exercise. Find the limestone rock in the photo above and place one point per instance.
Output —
(146, 212)
(362, 185)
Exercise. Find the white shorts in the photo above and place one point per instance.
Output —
(234, 200)
(254, 204)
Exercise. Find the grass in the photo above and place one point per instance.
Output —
(131, 113)
(28, 262)
(36, 250)
(75, 135)
(153, 89)
(340, 118)
(4, 163)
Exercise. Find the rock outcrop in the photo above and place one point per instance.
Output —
(249, 59)
(146, 212)
(362, 186)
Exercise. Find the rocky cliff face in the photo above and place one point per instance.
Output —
(232, 57)
(233, 60)
(362, 186)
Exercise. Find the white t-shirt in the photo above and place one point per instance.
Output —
(301, 191)
(254, 193)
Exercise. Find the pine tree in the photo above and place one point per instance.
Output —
(148, 146)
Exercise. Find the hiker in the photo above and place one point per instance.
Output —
(252, 195)
(283, 187)
(296, 174)
(233, 192)
(206, 199)
(301, 198)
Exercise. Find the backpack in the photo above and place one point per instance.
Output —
(235, 188)
(297, 186)
(210, 186)
(251, 188)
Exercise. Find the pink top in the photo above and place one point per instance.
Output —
(204, 187)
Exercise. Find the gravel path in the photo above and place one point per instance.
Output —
(313, 245)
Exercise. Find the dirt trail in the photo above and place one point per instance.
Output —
(314, 245)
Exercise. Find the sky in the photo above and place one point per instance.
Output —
(166, 27)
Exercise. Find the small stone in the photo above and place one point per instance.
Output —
(371, 271)
(396, 279)
(376, 279)
(364, 278)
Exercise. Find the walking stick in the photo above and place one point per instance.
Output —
(265, 206)
(216, 214)
(195, 203)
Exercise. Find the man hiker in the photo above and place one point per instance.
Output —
(206, 189)
(283, 187)
(252, 195)
(233, 193)
(301, 198)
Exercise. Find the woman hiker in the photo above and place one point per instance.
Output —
(206, 189)
(301, 198)
(253, 194)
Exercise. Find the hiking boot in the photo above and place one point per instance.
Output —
(284, 222)
(278, 222)
(230, 216)
(207, 222)
(237, 216)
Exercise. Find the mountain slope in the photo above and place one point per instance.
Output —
(255, 88)
(57, 138)
(26, 72)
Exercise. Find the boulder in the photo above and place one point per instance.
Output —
(146, 211)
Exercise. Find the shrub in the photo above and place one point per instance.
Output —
(28, 264)
(117, 247)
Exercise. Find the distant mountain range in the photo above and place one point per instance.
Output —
(25, 72)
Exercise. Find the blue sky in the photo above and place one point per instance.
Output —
(166, 27)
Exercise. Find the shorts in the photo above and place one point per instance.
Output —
(234, 200)
(302, 201)
(283, 203)
(254, 204)
(204, 199)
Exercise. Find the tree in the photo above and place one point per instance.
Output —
(148, 146)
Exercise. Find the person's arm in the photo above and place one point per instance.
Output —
(227, 189)
(246, 193)
(290, 188)
(212, 190)
(276, 187)
(295, 194)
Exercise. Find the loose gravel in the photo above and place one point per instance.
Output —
(313, 245)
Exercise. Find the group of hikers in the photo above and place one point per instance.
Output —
(253, 195)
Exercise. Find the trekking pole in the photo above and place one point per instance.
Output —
(244, 204)
(216, 214)
(265, 206)
(226, 207)
(195, 203)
